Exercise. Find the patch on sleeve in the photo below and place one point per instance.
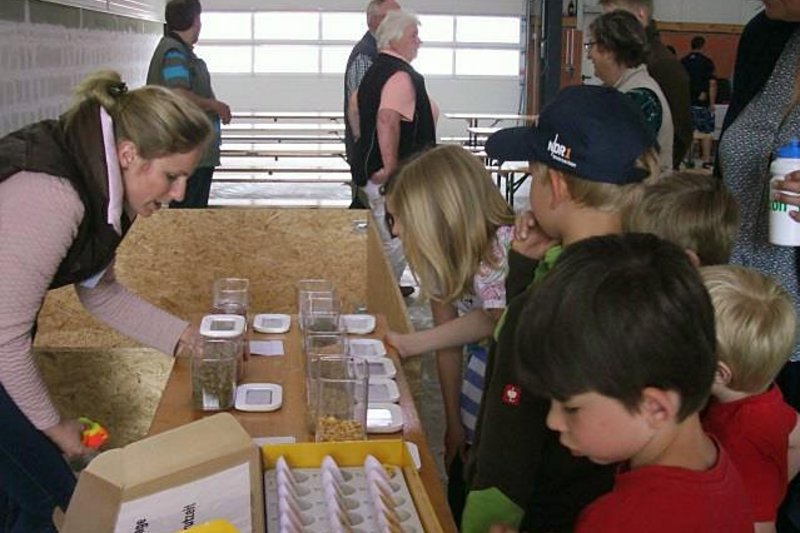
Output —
(512, 394)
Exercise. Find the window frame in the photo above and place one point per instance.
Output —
(321, 43)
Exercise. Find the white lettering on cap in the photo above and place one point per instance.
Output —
(560, 152)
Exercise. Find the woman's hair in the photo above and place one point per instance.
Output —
(393, 26)
(158, 121)
(449, 210)
(620, 33)
(606, 197)
(755, 322)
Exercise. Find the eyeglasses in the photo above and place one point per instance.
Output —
(589, 44)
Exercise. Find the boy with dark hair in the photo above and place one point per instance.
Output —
(696, 212)
(620, 336)
(756, 327)
(591, 150)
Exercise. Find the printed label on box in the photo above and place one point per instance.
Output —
(225, 495)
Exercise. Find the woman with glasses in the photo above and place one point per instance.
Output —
(617, 48)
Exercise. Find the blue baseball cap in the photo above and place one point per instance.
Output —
(595, 133)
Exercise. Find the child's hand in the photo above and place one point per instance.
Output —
(455, 440)
(397, 341)
(529, 239)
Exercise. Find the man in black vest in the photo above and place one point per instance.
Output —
(174, 65)
(361, 58)
(392, 119)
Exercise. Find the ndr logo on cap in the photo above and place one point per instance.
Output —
(560, 152)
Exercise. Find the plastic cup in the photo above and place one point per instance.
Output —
(231, 296)
(341, 398)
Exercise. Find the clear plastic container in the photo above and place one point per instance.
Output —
(231, 328)
(783, 230)
(342, 385)
(214, 367)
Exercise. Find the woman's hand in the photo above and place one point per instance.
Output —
(380, 176)
(529, 239)
(67, 435)
(791, 184)
(188, 342)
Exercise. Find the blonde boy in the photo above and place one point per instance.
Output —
(592, 150)
(696, 212)
(755, 323)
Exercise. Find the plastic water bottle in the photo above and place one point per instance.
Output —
(783, 230)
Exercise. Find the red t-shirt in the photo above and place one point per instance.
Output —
(755, 432)
(664, 499)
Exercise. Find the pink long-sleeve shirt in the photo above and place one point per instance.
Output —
(39, 219)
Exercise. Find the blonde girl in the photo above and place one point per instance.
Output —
(456, 230)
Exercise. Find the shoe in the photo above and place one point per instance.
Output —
(406, 290)
(708, 165)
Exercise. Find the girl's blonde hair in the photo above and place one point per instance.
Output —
(449, 210)
(158, 121)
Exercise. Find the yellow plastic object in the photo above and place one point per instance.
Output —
(214, 526)
(353, 453)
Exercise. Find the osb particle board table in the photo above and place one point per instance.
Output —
(175, 408)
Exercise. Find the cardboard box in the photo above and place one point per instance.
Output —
(196, 473)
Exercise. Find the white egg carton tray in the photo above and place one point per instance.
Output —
(332, 499)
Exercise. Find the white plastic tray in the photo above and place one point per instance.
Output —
(384, 418)
(272, 323)
(366, 348)
(382, 390)
(358, 324)
(381, 367)
(259, 397)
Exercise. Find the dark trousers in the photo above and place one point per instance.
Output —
(456, 489)
(197, 190)
(34, 478)
(789, 513)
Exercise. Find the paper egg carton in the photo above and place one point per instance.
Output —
(366, 499)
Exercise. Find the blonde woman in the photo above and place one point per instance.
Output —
(456, 230)
(69, 191)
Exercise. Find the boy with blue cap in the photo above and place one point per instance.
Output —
(589, 153)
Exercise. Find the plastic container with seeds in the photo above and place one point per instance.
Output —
(341, 402)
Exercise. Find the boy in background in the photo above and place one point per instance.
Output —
(620, 336)
(756, 323)
(696, 212)
(591, 150)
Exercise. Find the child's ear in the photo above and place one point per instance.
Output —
(693, 257)
(659, 406)
(559, 191)
(723, 374)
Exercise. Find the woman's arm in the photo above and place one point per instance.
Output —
(116, 306)
(39, 217)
